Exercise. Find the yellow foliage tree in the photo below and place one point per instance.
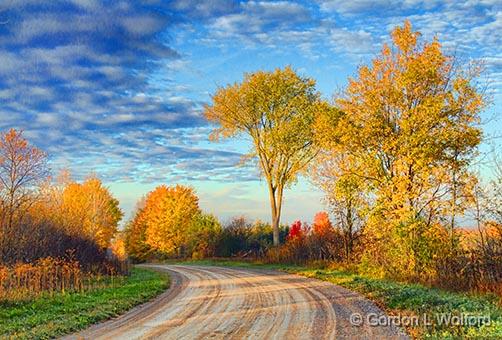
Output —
(91, 207)
(85, 209)
(276, 110)
(118, 246)
(408, 130)
(135, 234)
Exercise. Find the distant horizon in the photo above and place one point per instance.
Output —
(253, 209)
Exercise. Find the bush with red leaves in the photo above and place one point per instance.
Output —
(296, 231)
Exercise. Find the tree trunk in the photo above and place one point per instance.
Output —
(10, 211)
(275, 205)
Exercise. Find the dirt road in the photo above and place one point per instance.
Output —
(230, 303)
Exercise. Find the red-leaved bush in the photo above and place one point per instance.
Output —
(295, 232)
(321, 242)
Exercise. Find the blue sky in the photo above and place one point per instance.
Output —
(117, 87)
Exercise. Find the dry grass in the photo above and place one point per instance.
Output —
(48, 276)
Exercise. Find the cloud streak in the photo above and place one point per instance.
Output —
(76, 76)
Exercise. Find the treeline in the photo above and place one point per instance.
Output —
(168, 223)
(50, 227)
(198, 235)
(394, 154)
(157, 232)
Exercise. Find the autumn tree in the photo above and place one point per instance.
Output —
(203, 236)
(296, 232)
(91, 207)
(276, 111)
(344, 195)
(409, 122)
(118, 246)
(59, 217)
(86, 209)
(135, 234)
(168, 215)
(22, 168)
(322, 225)
(493, 205)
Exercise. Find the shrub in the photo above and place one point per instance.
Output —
(233, 241)
(296, 248)
(296, 233)
(474, 266)
(243, 239)
(203, 236)
(35, 239)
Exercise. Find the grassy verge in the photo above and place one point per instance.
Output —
(49, 317)
(411, 302)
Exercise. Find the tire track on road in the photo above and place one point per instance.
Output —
(235, 303)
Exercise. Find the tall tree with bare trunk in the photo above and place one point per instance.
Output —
(276, 110)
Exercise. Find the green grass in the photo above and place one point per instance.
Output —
(406, 299)
(49, 317)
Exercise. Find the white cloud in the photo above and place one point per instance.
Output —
(374, 6)
(142, 25)
(285, 25)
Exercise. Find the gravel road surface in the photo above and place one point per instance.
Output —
(235, 303)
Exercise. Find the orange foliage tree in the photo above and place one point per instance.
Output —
(86, 209)
(168, 214)
(135, 234)
(322, 225)
(39, 219)
(91, 206)
(118, 246)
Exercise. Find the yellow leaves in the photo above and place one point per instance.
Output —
(135, 236)
(404, 38)
(406, 108)
(405, 138)
(325, 124)
(167, 216)
(85, 209)
(93, 205)
(276, 110)
(118, 247)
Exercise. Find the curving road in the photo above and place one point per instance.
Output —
(234, 303)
